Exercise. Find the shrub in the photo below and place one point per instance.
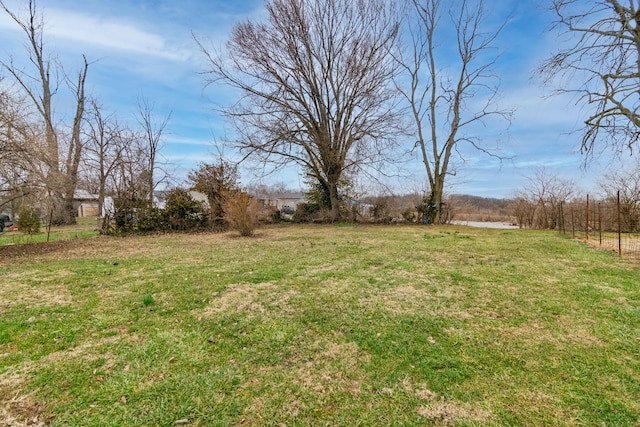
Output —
(379, 210)
(427, 208)
(128, 211)
(182, 212)
(29, 221)
(215, 180)
(242, 212)
(149, 219)
(306, 212)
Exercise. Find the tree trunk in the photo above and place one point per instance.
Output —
(334, 200)
(74, 155)
(437, 191)
(69, 211)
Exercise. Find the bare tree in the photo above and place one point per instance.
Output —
(129, 177)
(547, 192)
(152, 130)
(448, 100)
(106, 142)
(314, 80)
(58, 160)
(21, 177)
(625, 183)
(601, 67)
(75, 146)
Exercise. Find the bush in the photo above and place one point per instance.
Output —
(427, 209)
(215, 180)
(306, 212)
(182, 212)
(242, 212)
(149, 219)
(29, 221)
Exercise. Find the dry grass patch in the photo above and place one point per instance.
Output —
(437, 409)
(411, 300)
(316, 380)
(567, 332)
(248, 298)
(46, 292)
(20, 408)
(444, 412)
(332, 371)
(17, 410)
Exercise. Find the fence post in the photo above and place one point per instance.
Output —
(586, 228)
(561, 220)
(600, 223)
(619, 227)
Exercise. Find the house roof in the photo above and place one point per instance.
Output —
(84, 195)
(297, 195)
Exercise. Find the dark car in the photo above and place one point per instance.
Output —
(5, 221)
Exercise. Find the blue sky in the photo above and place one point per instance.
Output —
(145, 47)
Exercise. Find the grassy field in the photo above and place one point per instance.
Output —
(321, 325)
(86, 227)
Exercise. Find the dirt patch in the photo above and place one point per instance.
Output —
(10, 252)
(19, 413)
(112, 247)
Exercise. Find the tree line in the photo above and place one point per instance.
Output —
(336, 87)
(551, 202)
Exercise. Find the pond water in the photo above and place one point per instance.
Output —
(481, 224)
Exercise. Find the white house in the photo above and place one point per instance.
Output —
(284, 202)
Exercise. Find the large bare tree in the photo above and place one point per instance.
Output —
(314, 79)
(59, 157)
(600, 65)
(448, 82)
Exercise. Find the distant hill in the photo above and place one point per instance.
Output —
(474, 208)
(463, 206)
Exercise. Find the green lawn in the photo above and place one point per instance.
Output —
(86, 227)
(321, 325)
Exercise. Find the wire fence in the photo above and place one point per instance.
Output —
(610, 224)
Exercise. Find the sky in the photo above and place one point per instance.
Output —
(145, 48)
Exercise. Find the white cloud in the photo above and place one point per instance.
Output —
(191, 141)
(110, 33)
